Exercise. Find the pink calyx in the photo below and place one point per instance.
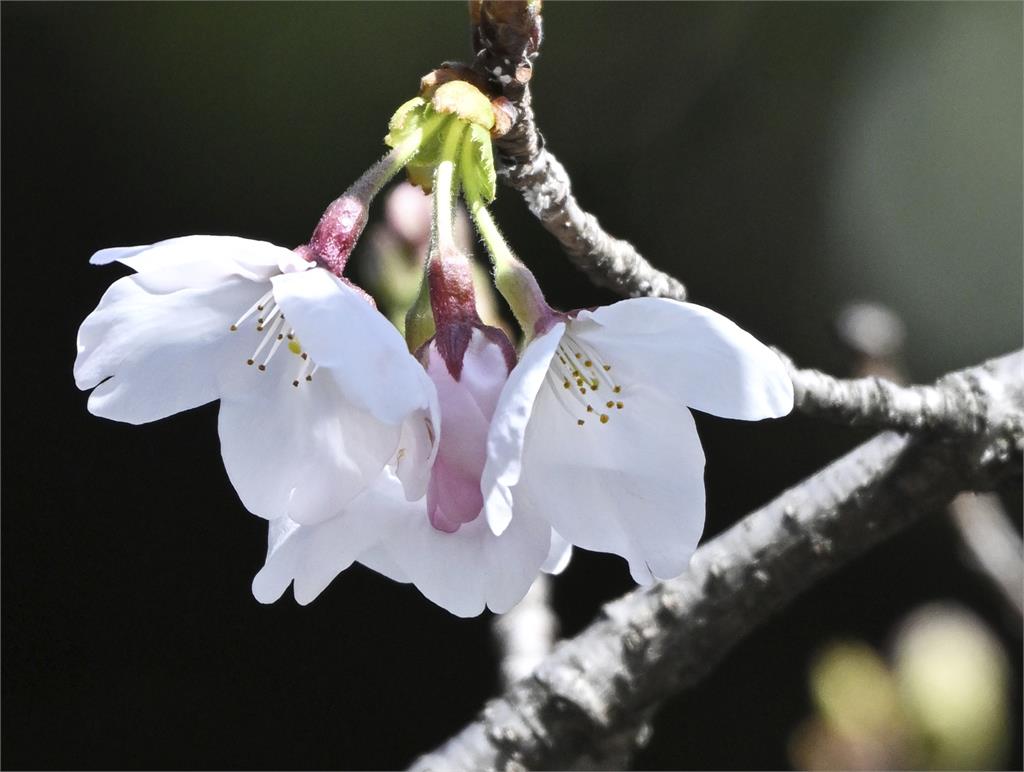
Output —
(338, 231)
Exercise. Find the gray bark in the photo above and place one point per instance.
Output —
(958, 403)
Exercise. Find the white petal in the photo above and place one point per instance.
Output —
(691, 351)
(311, 556)
(198, 261)
(343, 332)
(558, 556)
(303, 452)
(508, 427)
(379, 559)
(151, 355)
(418, 445)
(472, 568)
(282, 559)
(632, 486)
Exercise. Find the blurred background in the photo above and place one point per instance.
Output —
(784, 160)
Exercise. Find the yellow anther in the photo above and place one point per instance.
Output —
(588, 363)
(295, 347)
(618, 405)
(604, 418)
(609, 403)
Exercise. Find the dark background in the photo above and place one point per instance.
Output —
(781, 159)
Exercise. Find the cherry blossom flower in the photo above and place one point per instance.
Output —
(440, 543)
(593, 430)
(318, 392)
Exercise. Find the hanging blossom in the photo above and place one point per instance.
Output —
(441, 542)
(318, 392)
(588, 440)
(593, 429)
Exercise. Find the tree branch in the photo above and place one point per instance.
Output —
(506, 41)
(956, 404)
(657, 640)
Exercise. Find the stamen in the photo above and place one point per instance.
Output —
(303, 372)
(277, 344)
(259, 350)
(268, 319)
(566, 372)
(257, 306)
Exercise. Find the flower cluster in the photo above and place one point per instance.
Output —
(447, 459)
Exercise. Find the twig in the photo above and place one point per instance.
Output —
(994, 545)
(657, 640)
(526, 634)
(956, 404)
(875, 335)
(506, 40)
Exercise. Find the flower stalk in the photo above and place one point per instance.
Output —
(342, 223)
(514, 280)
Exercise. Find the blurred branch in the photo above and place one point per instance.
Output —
(506, 41)
(994, 545)
(656, 640)
(875, 335)
(526, 634)
(958, 403)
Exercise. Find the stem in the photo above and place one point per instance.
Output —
(514, 281)
(378, 175)
(343, 221)
(446, 188)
